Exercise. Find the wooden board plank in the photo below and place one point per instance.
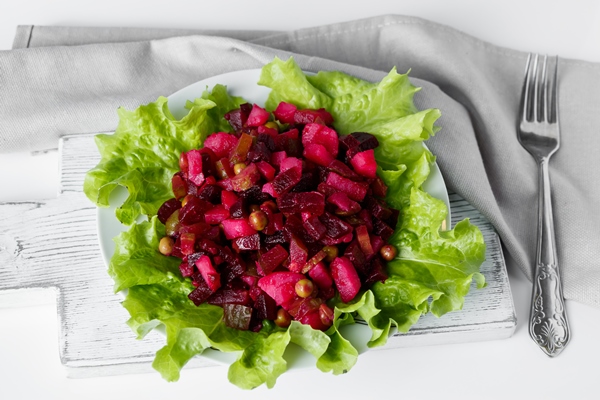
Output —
(53, 245)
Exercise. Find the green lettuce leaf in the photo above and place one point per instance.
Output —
(143, 153)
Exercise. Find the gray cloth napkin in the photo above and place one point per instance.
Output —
(62, 80)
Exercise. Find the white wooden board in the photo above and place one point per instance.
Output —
(51, 247)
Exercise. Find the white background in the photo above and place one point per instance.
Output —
(513, 368)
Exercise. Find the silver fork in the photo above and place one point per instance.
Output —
(538, 132)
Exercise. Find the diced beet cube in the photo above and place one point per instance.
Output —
(246, 243)
(308, 182)
(216, 215)
(329, 241)
(254, 195)
(275, 238)
(295, 203)
(313, 319)
(277, 157)
(314, 227)
(208, 246)
(320, 116)
(379, 187)
(289, 163)
(364, 163)
(326, 189)
(228, 199)
(290, 142)
(210, 192)
(345, 206)
(272, 259)
(195, 170)
(366, 140)
(282, 183)
(200, 294)
(347, 143)
(345, 277)
(335, 226)
(198, 229)
(208, 160)
(237, 316)
(258, 116)
(280, 286)
(269, 189)
(392, 221)
(266, 170)
(263, 129)
(362, 235)
(188, 241)
(295, 227)
(168, 208)
(240, 152)
(298, 254)
(193, 210)
(355, 190)
(259, 152)
(376, 243)
(239, 209)
(229, 296)
(355, 254)
(186, 269)
(275, 224)
(268, 139)
(285, 112)
(377, 272)
(234, 265)
(225, 184)
(213, 233)
(382, 229)
(247, 178)
(318, 154)
(265, 306)
(299, 306)
(237, 118)
(323, 135)
(251, 281)
(235, 228)
(221, 143)
(344, 170)
(192, 258)
(367, 219)
(209, 273)
(378, 208)
(321, 276)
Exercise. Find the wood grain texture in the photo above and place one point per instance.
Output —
(53, 245)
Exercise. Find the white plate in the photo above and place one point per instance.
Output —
(243, 84)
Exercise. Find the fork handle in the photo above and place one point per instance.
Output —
(548, 324)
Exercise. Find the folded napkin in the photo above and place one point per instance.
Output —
(60, 80)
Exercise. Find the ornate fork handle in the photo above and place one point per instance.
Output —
(548, 325)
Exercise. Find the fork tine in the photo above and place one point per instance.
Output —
(535, 107)
(525, 91)
(544, 92)
(554, 94)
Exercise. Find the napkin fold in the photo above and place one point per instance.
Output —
(66, 80)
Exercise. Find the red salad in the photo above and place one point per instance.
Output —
(272, 221)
